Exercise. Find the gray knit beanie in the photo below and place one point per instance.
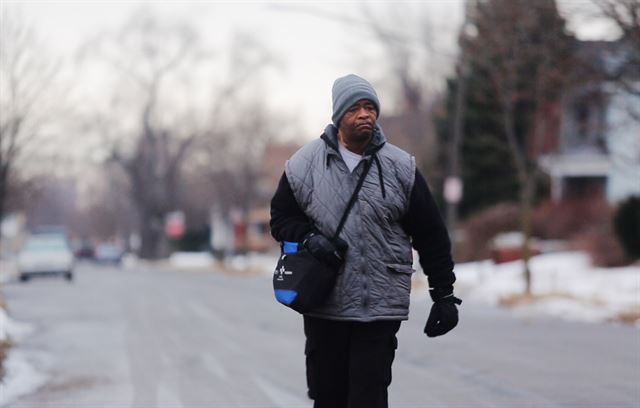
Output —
(348, 90)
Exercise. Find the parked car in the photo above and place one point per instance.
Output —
(46, 254)
(108, 254)
(50, 229)
(85, 251)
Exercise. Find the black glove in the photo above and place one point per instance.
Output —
(327, 251)
(444, 313)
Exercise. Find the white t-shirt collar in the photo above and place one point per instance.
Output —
(350, 158)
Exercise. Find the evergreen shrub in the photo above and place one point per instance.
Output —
(626, 224)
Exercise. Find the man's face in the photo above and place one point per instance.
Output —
(358, 122)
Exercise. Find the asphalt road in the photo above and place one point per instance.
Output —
(159, 338)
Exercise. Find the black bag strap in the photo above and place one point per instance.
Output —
(354, 196)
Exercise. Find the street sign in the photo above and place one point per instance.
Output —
(174, 224)
(453, 190)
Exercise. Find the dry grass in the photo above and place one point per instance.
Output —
(519, 299)
(70, 384)
(248, 270)
(628, 317)
(631, 317)
(5, 345)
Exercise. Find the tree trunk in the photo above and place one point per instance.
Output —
(526, 177)
(150, 234)
(4, 188)
(3, 195)
(527, 191)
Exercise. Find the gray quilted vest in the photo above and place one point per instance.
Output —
(375, 280)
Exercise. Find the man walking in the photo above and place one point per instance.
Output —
(351, 338)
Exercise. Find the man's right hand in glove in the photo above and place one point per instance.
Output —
(331, 253)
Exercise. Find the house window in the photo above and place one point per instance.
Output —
(588, 123)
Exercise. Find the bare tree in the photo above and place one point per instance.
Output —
(173, 130)
(416, 63)
(236, 176)
(26, 77)
(240, 127)
(409, 38)
(625, 15)
(526, 53)
(148, 54)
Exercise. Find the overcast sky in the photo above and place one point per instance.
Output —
(314, 48)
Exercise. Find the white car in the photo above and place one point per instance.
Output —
(46, 254)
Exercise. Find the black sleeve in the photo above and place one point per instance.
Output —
(429, 235)
(288, 221)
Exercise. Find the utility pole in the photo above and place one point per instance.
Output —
(453, 186)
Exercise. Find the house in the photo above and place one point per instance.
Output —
(596, 149)
(258, 232)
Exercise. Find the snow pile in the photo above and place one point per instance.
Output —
(20, 376)
(130, 261)
(563, 285)
(4, 325)
(8, 269)
(254, 263)
(10, 329)
(189, 260)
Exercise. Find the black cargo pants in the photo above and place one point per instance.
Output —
(349, 363)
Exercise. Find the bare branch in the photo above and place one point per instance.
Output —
(26, 76)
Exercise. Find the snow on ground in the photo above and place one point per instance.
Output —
(254, 262)
(7, 269)
(12, 330)
(191, 260)
(21, 377)
(564, 285)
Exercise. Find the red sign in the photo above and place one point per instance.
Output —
(174, 224)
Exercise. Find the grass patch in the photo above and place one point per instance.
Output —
(5, 345)
(244, 270)
(519, 299)
(628, 317)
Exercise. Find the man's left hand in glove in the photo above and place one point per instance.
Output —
(444, 313)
